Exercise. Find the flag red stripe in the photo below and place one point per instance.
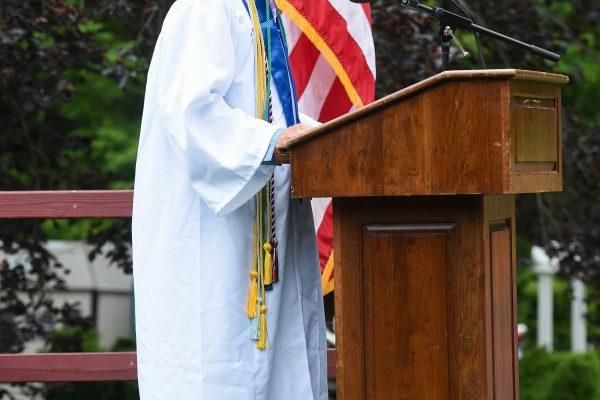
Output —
(325, 237)
(336, 104)
(332, 27)
(303, 58)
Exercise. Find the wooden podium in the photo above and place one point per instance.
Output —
(423, 183)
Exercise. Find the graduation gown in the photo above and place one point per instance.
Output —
(198, 170)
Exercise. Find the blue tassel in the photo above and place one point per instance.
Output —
(254, 329)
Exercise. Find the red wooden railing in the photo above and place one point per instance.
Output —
(74, 367)
(68, 367)
(67, 204)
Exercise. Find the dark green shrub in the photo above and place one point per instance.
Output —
(577, 376)
(560, 376)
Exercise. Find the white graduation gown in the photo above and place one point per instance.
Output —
(198, 170)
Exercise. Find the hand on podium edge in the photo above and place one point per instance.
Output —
(282, 156)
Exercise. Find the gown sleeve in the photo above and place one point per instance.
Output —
(221, 147)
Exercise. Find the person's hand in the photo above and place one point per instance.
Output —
(281, 157)
(290, 133)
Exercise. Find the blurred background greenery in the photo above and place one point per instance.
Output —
(72, 76)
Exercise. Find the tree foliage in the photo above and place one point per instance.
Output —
(71, 90)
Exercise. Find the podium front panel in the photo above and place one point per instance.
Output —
(425, 298)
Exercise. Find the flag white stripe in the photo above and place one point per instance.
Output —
(318, 87)
(292, 33)
(319, 206)
(358, 27)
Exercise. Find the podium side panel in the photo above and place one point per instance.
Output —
(536, 136)
(501, 287)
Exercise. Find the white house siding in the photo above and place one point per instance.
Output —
(112, 288)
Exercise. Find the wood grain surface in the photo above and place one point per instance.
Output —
(83, 367)
(456, 133)
(425, 299)
(66, 204)
(68, 367)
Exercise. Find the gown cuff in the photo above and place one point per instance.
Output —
(269, 158)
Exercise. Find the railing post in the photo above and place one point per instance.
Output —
(545, 268)
(578, 319)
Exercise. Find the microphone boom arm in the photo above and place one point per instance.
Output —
(458, 21)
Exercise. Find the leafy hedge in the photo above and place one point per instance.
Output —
(560, 376)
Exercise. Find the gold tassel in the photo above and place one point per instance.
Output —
(262, 335)
(251, 309)
(268, 278)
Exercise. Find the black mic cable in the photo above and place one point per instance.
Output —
(476, 34)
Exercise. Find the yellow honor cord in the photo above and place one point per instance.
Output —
(261, 57)
(262, 265)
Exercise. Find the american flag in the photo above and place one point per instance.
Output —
(332, 57)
